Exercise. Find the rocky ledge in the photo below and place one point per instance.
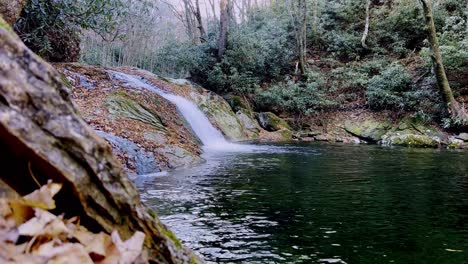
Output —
(147, 133)
(379, 128)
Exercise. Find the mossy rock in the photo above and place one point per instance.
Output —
(463, 136)
(271, 122)
(369, 130)
(410, 140)
(121, 105)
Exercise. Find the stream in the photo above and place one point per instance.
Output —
(319, 203)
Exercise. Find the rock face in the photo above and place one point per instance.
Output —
(43, 137)
(220, 113)
(369, 130)
(146, 131)
(272, 122)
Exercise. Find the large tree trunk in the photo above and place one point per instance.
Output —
(456, 111)
(11, 9)
(43, 137)
(223, 28)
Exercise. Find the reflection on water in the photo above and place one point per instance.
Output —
(319, 204)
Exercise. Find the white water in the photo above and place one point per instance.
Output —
(211, 137)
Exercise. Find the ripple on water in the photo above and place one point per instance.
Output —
(318, 204)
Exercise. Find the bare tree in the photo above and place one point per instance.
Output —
(298, 12)
(223, 27)
(366, 27)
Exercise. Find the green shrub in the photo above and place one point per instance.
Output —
(391, 89)
(296, 97)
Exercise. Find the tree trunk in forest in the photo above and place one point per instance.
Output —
(11, 9)
(456, 111)
(198, 16)
(42, 137)
(366, 27)
(223, 28)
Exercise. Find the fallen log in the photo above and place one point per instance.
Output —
(43, 137)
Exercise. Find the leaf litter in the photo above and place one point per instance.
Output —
(30, 234)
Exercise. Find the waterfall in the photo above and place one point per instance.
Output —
(211, 137)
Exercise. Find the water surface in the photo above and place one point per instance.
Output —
(319, 204)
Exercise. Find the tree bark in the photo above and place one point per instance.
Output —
(43, 137)
(366, 27)
(198, 16)
(223, 28)
(456, 111)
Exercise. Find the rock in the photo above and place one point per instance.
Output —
(455, 143)
(143, 161)
(410, 140)
(11, 9)
(463, 136)
(219, 113)
(42, 134)
(370, 130)
(177, 156)
(271, 122)
(249, 124)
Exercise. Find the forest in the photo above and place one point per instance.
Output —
(291, 57)
(210, 118)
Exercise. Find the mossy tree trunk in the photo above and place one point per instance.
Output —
(456, 111)
(42, 137)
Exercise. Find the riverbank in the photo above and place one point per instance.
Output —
(149, 134)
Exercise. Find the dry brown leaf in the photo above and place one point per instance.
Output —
(131, 249)
(69, 253)
(20, 212)
(98, 247)
(43, 223)
(44, 197)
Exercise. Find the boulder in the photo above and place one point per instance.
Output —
(42, 137)
(463, 136)
(249, 123)
(410, 140)
(219, 113)
(271, 122)
(370, 130)
(455, 143)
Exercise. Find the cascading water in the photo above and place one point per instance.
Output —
(211, 137)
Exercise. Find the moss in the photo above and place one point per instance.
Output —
(121, 105)
(168, 233)
(152, 213)
(286, 134)
(65, 81)
(410, 140)
(4, 24)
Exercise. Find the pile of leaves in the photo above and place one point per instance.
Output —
(29, 233)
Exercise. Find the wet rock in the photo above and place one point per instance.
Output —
(249, 124)
(369, 130)
(410, 140)
(271, 122)
(463, 136)
(219, 113)
(455, 143)
(177, 156)
(143, 161)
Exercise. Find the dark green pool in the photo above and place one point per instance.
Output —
(320, 204)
